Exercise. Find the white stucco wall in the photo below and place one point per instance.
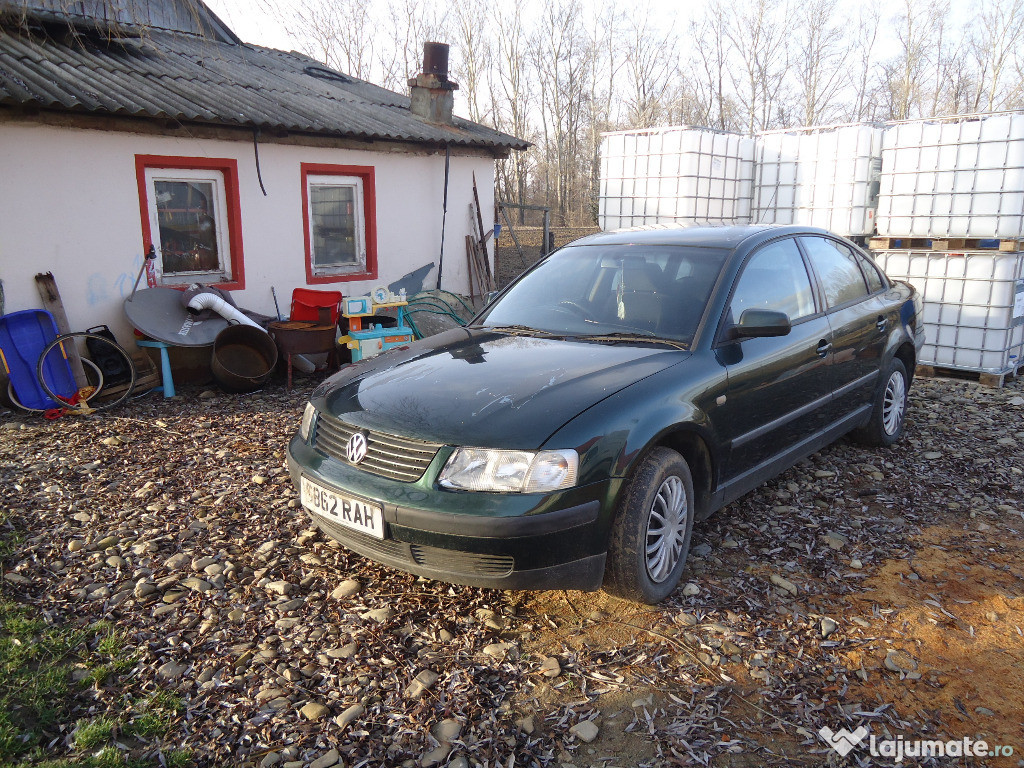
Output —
(69, 205)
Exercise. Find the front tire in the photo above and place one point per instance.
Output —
(651, 535)
(890, 410)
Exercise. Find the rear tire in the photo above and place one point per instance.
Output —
(651, 535)
(889, 413)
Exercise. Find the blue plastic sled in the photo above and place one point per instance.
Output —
(23, 337)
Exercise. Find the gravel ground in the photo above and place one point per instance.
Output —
(861, 587)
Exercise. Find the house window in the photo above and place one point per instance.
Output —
(191, 218)
(339, 220)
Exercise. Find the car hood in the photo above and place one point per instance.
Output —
(487, 389)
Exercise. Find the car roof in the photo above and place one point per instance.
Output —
(707, 236)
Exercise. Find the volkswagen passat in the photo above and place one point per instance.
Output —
(625, 386)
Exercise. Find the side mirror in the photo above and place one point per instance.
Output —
(762, 322)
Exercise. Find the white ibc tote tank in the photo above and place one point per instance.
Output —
(820, 177)
(677, 175)
(973, 305)
(956, 177)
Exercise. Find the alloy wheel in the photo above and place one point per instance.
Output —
(666, 529)
(894, 403)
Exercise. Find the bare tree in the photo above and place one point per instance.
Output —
(821, 53)
(996, 34)
(474, 54)
(408, 24)
(605, 44)
(513, 98)
(907, 80)
(757, 31)
(650, 54)
(336, 33)
(707, 70)
(562, 58)
(862, 54)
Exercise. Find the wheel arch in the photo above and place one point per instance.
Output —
(694, 449)
(907, 355)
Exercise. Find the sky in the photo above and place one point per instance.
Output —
(254, 21)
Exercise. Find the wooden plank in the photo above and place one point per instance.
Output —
(476, 287)
(1011, 246)
(892, 243)
(47, 287)
(483, 236)
(950, 244)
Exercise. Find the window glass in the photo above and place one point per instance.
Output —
(188, 223)
(837, 268)
(337, 228)
(775, 278)
(871, 272)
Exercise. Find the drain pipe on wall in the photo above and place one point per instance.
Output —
(444, 214)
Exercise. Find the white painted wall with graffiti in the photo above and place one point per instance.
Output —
(69, 204)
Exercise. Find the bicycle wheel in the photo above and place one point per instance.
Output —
(95, 376)
(80, 337)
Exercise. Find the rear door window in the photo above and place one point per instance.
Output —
(871, 272)
(837, 268)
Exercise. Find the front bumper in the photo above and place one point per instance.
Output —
(504, 541)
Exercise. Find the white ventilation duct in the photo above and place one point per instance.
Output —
(212, 301)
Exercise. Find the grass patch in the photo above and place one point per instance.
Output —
(110, 657)
(178, 758)
(92, 733)
(108, 757)
(34, 681)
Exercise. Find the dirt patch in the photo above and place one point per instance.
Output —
(956, 609)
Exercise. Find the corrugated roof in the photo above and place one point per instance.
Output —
(162, 74)
(190, 16)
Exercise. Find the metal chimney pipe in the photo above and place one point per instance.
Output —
(435, 59)
(430, 92)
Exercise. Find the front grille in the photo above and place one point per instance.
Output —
(403, 555)
(462, 562)
(398, 458)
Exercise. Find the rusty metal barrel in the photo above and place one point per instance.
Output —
(243, 358)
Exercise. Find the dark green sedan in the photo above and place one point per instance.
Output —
(625, 386)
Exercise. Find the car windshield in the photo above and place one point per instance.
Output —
(613, 292)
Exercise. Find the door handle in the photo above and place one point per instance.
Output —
(882, 323)
(823, 348)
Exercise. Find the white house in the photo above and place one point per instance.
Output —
(241, 166)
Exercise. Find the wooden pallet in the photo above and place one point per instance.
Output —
(995, 380)
(943, 244)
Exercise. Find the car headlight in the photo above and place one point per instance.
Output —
(481, 469)
(307, 421)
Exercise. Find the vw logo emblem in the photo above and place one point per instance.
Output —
(356, 448)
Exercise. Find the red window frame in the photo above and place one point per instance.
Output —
(366, 174)
(229, 168)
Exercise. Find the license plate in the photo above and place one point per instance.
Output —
(343, 510)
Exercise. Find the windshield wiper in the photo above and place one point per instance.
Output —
(635, 336)
(519, 330)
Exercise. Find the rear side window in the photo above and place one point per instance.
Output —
(875, 283)
(837, 268)
(775, 278)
